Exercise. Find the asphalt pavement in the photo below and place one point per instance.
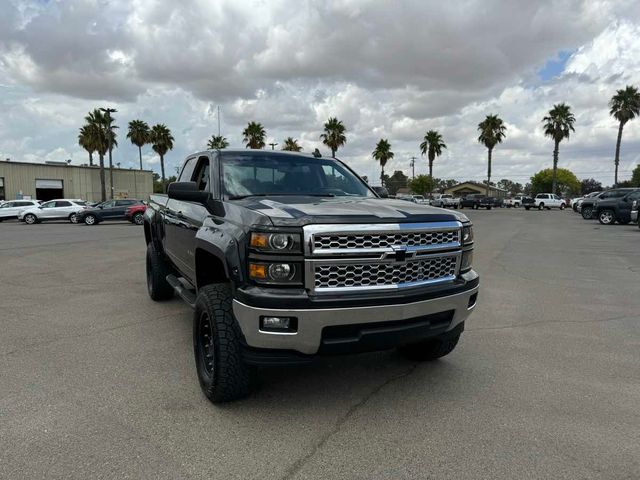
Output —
(98, 381)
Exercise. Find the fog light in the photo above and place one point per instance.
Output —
(279, 324)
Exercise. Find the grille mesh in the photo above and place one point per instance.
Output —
(387, 274)
(382, 240)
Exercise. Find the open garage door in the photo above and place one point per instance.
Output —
(49, 189)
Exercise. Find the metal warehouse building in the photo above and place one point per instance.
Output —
(46, 181)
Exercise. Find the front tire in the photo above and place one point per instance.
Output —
(430, 349)
(222, 373)
(90, 220)
(157, 271)
(138, 219)
(607, 217)
(562, 206)
(30, 219)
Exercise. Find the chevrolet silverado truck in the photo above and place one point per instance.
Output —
(285, 257)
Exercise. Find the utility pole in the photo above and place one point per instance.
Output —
(273, 146)
(218, 120)
(413, 167)
(109, 119)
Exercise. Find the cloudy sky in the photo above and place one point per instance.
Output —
(387, 69)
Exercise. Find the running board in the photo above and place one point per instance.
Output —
(188, 295)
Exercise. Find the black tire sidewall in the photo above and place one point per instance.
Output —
(157, 270)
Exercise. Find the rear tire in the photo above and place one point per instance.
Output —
(430, 349)
(562, 206)
(30, 219)
(138, 219)
(157, 271)
(222, 372)
(541, 206)
(527, 208)
(73, 218)
(587, 212)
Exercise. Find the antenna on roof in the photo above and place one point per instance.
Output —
(317, 154)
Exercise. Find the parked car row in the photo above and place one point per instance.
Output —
(617, 205)
(73, 209)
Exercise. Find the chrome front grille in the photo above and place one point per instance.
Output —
(384, 275)
(354, 258)
(383, 240)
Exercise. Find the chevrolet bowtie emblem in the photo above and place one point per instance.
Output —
(400, 253)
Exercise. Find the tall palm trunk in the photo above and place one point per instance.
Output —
(489, 170)
(91, 159)
(333, 154)
(103, 188)
(554, 182)
(164, 182)
(140, 154)
(110, 174)
(431, 169)
(617, 159)
(382, 176)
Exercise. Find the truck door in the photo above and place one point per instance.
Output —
(624, 206)
(183, 219)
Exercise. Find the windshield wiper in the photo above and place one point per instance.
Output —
(240, 197)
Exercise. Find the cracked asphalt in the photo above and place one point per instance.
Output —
(98, 381)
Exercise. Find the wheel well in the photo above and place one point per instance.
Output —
(209, 269)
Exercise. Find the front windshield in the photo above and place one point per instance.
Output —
(254, 173)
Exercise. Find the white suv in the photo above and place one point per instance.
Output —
(60, 209)
(12, 208)
(548, 201)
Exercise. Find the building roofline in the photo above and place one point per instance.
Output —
(69, 165)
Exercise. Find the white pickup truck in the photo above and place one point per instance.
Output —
(445, 200)
(544, 200)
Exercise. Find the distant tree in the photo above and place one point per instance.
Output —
(100, 131)
(217, 142)
(254, 135)
(589, 185)
(624, 106)
(423, 184)
(396, 181)
(161, 141)
(139, 135)
(492, 131)
(445, 184)
(291, 145)
(334, 135)
(382, 154)
(635, 177)
(88, 140)
(512, 187)
(558, 124)
(566, 180)
(431, 146)
(527, 189)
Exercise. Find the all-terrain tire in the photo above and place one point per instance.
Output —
(222, 373)
(430, 349)
(157, 270)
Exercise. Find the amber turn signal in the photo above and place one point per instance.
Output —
(259, 240)
(257, 271)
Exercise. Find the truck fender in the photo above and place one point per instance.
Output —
(221, 249)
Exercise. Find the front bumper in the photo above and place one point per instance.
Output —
(634, 216)
(428, 317)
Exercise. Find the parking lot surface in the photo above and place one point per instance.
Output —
(98, 381)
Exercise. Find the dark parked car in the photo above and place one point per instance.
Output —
(109, 210)
(614, 210)
(472, 201)
(588, 207)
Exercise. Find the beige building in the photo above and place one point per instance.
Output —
(468, 188)
(46, 181)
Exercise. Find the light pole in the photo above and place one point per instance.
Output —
(413, 167)
(273, 146)
(109, 119)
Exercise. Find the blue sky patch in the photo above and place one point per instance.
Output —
(555, 66)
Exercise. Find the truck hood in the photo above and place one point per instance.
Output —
(304, 210)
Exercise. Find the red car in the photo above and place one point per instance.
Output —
(135, 213)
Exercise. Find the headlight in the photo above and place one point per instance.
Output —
(467, 235)
(275, 273)
(466, 261)
(275, 242)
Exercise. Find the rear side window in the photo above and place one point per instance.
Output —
(201, 174)
(124, 203)
(63, 204)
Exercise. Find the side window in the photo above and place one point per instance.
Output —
(201, 174)
(124, 203)
(619, 194)
(187, 170)
(48, 205)
(63, 204)
(633, 196)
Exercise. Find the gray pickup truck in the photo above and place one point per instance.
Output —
(286, 256)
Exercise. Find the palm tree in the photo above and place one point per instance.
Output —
(291, 145)
(96, 131)
(139, 135)
(625, 106)
(217, 142)
(86, 140)
(334, 135)
(558, 125)
(254, 135)
(492, 131)
(382, 154)
(161, 141)
(432, 146)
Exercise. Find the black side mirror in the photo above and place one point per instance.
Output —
(187, 191)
